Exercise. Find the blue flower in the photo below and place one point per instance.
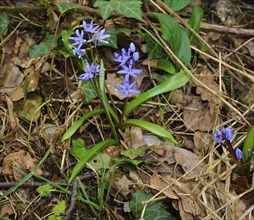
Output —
(135, 56)
(123, 57)
(91, 72)
(226, 133)
(238, 154)
(78, 39)
(129, 71)
(99, 37)
(217, 136)
(79, 52)
(89, 28)
(126, 89)
(132, 47)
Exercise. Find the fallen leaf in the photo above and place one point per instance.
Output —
(158, 183)
(21, 156)
(6, 210)
(197, 117)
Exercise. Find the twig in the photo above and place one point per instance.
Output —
(73, 199)
(24, 185)
(228, 30)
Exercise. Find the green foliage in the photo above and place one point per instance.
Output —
(177, 5)
(129, 9)
(248, 146)
(154, 50)
(175, 36)
(88, 91)
(91, 153)
(64, 7)
(42, 49)
(65, 34)
(195, 20)
(173, 82)
(44, 190)
(100, 162)
(166, 65)
(78, 148)
(71, 130)
(134, 153)
(4, 22)
(154, 128)
(154, 210)
(58, 209)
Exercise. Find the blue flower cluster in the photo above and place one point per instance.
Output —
(126, 60)
(94, 36)
(227, 133)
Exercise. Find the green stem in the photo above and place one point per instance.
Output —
(103, 101)
(124, 110)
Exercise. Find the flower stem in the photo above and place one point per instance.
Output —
(231, 151)
(124, 110)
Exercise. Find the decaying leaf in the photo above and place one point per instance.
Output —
(21, 156)
(197, 117)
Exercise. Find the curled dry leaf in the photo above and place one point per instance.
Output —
(21, 156)
(198, 117)
(123, 185)
(206, 95)
(203, 141)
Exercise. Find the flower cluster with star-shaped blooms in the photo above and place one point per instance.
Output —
(227, 133)
(126, 60)
(94, 35)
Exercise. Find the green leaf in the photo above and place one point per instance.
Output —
(154, 50)
(166, 65)
(154, 210)
(42, 49)
(58, 209)
(154, 128)
(65, 35)
(78, 149)
(71, 130)
(177, 5)
(101, 161)
(4, 23)
(175, 36)
(89, 156)
(248, 146)
(129, 9)
(195, 20)
(124, 160)
(133, 153)
(176, 81)
(88, 91)
(44, 190)
(64, 7)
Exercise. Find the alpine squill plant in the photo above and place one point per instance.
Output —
(87, 38)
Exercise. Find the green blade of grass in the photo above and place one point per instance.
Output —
(71, 130)
(173, 82)
(90, 155)
(154, 128)
(248, 146)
